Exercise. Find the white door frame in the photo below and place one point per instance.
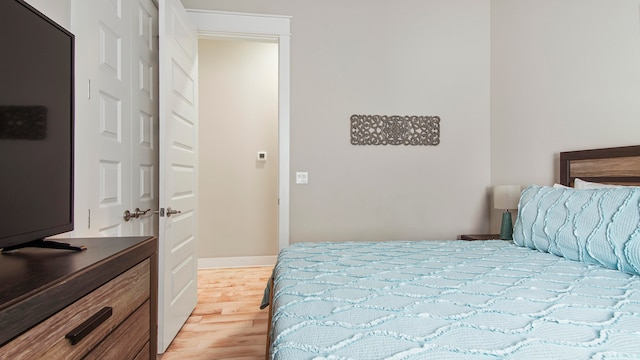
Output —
(243, 25)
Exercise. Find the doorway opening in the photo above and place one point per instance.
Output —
(269, 28)
(238, 162)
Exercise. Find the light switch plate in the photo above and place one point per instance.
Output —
(302, 178)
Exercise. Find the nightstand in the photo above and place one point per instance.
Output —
(480, 237)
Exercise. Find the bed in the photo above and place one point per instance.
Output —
(567, 287)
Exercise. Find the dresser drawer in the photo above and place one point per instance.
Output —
(123, 294)
(127, 339)
(144, 353)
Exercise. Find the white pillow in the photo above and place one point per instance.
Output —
(581, 184)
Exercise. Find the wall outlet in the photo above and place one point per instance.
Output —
(302, 178)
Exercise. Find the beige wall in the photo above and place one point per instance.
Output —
(238, 117)
(423, 57)
(565, 75)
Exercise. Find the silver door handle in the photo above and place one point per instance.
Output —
(171, 211)
(139, 212)
(128, 215)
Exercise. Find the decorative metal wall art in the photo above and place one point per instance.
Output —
(395, 130)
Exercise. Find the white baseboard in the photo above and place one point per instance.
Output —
(244, 261)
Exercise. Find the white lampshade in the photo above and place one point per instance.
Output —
(506, 197)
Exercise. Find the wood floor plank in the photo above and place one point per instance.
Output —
(227, 323)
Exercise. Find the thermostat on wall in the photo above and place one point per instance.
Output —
(262, 156)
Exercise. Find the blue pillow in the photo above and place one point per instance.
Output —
(595, 226)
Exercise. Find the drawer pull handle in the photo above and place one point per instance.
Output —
(89, 325)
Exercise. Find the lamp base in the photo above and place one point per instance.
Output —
(506, 229)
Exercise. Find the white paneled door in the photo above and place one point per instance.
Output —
(145, 123)
(116, 116)
(126, 119)
(103, 143)
(178, 172)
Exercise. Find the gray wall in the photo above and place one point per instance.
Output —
(380, 57)
(565, 75)
(515, 82)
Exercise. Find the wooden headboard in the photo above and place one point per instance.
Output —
(619, 165)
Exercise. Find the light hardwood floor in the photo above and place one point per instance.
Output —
(227, 322)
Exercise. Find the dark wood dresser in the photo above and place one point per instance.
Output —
(100, 303)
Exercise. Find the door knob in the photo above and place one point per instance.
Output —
(171, 211)
(139, 212)
(128, 215)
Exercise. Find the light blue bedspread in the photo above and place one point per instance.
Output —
(449, 300)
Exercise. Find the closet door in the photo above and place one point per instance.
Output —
(144, 129)
(103, 116)
(116, 116)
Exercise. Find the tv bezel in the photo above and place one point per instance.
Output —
(55, 229)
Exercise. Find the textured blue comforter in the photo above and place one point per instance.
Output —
(449, 300)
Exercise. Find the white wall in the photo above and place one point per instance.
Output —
(565, 75)
(426, 57)
(238, 195)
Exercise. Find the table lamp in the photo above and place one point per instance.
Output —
(506, 197)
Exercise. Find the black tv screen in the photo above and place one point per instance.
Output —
(36, 125)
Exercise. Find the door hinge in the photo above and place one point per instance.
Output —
(89, 89)
(88, 218)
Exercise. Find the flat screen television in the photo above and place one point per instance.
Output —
(36, 127)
